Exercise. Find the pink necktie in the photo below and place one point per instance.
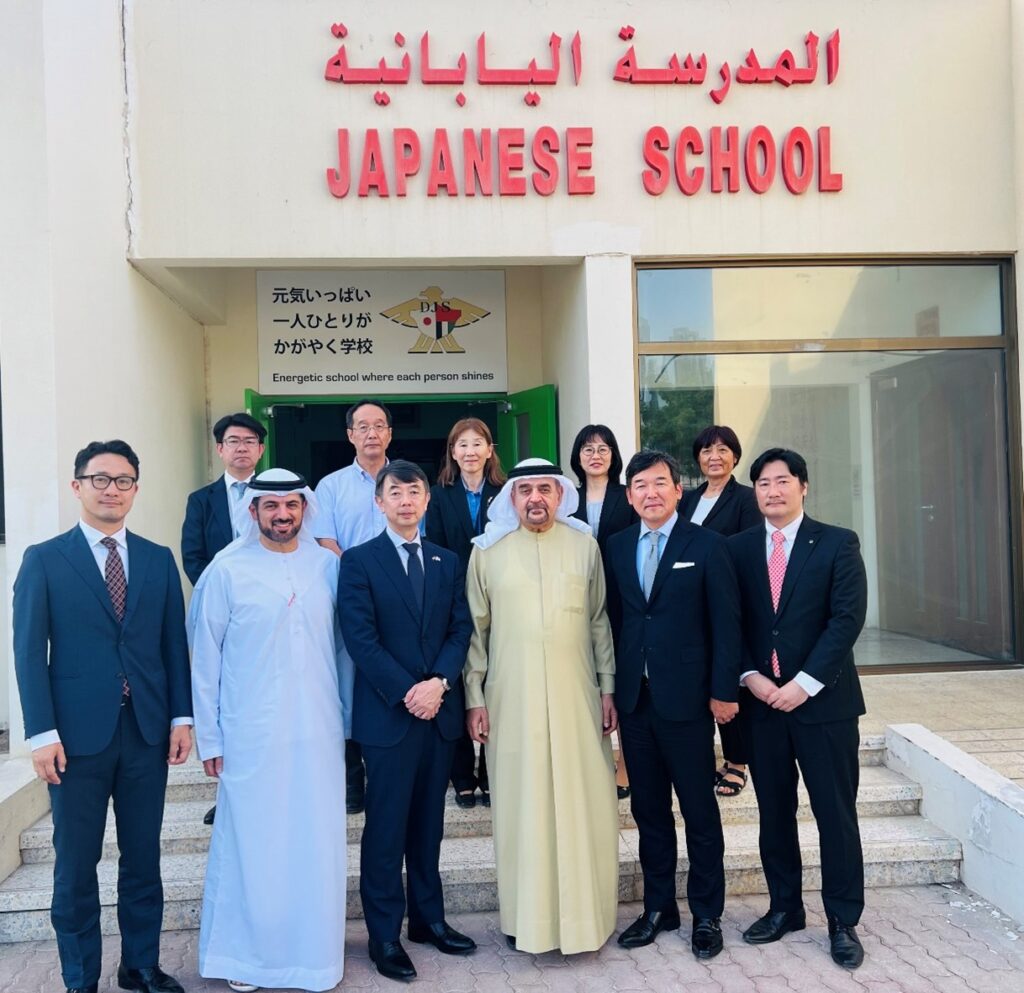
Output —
(776, 575)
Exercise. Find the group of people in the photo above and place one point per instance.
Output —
(493, 632)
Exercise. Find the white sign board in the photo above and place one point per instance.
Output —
(367, 331)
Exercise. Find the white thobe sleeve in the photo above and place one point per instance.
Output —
(208, 623)
(480, 609)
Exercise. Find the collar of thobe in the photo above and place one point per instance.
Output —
(503, 519)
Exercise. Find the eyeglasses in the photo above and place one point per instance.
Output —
(101, 481)
(379, 428)
(235, 442)
(590, 450)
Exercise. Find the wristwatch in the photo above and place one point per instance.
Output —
(444, 682)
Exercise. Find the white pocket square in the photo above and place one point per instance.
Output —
(435, 558)
(683, 565)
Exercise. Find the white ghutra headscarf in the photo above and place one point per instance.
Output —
(502, 516)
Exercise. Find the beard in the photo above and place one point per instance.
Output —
(280, 537)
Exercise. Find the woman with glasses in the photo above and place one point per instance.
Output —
(596, 461)
(728, 507)
(470, 478)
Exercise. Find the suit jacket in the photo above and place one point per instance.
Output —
(207, 528)
(688, 634)
(394, 645)
(71, 653)
(616, 513)
(821, 612)
(448, 523)
(735, 509)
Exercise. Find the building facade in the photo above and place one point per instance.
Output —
(800, 219)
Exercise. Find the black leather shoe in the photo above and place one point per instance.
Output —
(355, 801)
(210, 815)
(444, 938)
(467, 800)
(774, 925)
(647, 927)
(510, 940)
(91, 988)
(391, 961)
(847, 950)
(706, 940)
(622, 792)
(152, 980)
(485, 798)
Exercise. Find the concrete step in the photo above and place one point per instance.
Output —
(898, 851)
(883, 793)
(189, 782)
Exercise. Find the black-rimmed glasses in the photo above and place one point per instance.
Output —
(101, 481)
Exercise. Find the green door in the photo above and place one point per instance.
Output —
(528, 426)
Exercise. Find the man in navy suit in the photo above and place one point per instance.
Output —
(102, 666)
(213, 512)
(674, 608)
(403, 612)
(804, 596)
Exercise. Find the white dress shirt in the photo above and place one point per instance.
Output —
(99, 553)
(398, 541)
(806, 682)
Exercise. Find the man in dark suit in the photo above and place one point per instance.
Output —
(102, 665)
(214, 514)
(674, 607)
(403, 612)
(804, 597)
(212, 511)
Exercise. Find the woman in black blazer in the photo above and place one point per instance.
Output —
(596, 461)
(470, 478)
(723, 505)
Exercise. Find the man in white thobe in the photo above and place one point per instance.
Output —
(269, 726)
(539, 682)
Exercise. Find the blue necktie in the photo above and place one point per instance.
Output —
(415, 572)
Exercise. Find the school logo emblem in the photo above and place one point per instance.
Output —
(436, 318)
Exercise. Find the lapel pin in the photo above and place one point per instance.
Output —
(810, 541)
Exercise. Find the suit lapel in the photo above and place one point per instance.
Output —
(391, 563)
(221, 511)
(461, 507)
(139, 559)
(78, 553)
(490, 492)
(803, 546)
(609, 505)
(681, 535)
(721, 502)
(431, 578)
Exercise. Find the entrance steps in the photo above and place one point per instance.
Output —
(901, 848)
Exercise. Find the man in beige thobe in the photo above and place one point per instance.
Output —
(542, 641)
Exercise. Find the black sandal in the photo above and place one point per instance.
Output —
(727, 787)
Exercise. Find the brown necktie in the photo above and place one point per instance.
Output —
(117, 587)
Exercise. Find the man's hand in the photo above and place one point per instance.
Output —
(214, 767)
(723, 712)
(424, 699)
(609, 715)
(49, 761)
(761, 686)
(478, 724)
(181, 744)
(787, 697)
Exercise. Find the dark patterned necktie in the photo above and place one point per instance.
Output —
(415, 571)
(117, 587)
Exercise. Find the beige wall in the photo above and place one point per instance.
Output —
(89, 349)
(920, 112)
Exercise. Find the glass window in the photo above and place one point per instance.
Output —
(908, 448)
(819, 302)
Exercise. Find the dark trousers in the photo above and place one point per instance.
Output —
(355, 776)
(734, 735)
(828, 760)
(405, 790)
(134, 773)
(464, 775)
(662, 754)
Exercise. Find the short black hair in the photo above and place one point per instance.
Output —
(113, 447)
(350, 414)
(715, 433)
(603, 432)
(795, 462)
(649, 457)
(239, 420)
(403, 472)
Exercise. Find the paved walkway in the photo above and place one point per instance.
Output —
(918, 940)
